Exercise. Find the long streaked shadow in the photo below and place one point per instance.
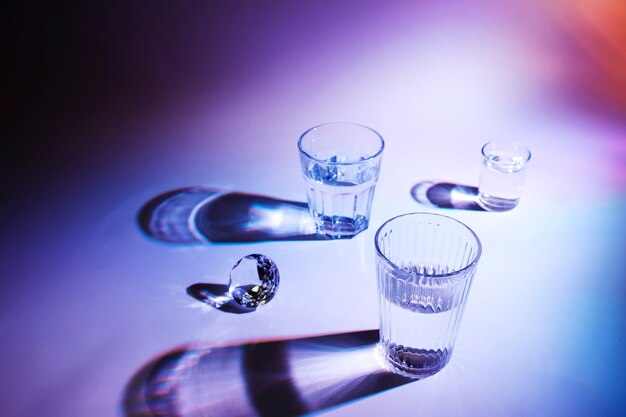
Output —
(446, 195)
(288, 377)
(195, 215)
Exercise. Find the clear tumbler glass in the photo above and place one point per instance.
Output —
(425, 267)
(340, 164)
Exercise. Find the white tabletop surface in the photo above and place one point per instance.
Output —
(217, 96)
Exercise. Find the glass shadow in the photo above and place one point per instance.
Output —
(195, 215)
(446, 195)
(287, 377)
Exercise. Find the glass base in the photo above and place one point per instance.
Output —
(412, 362)
(339, 227)
(491, 203)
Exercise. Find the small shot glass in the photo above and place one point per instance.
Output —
(502, 174)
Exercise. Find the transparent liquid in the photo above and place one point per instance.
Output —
(340, 196)
(419, 317)
(501, 182)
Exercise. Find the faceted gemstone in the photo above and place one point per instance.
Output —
(253, 281)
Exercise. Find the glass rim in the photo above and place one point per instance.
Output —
(370, 157)
(421, 213)
(498, 142)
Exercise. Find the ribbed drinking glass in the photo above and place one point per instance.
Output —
(425, 267)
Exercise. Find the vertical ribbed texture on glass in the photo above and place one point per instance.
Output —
(425, 266)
